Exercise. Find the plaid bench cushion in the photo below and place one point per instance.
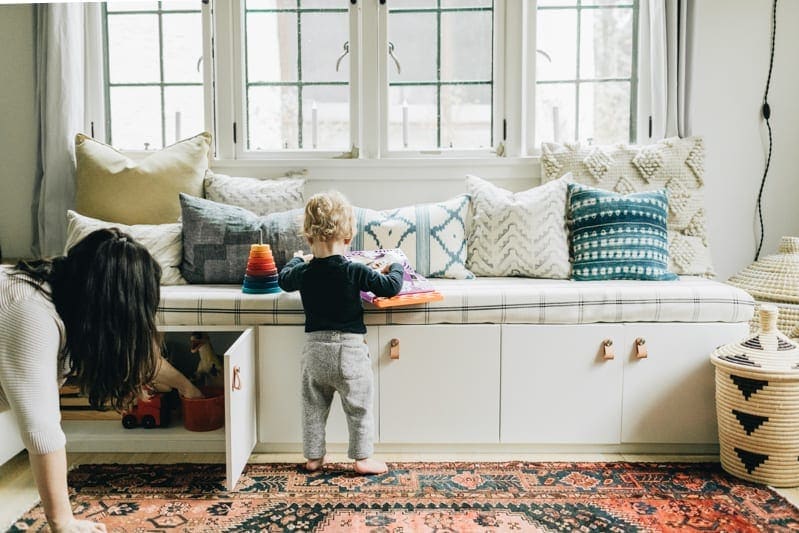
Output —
(482, 300)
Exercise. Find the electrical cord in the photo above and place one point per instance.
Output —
(766, 109)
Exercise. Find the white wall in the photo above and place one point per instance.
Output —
(729, 70)
(732, 39)
(17, 129)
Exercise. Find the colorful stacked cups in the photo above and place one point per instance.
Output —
(261, 274)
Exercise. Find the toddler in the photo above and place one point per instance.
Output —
(335, 355)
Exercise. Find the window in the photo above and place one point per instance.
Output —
(154, 89)
(586, 70)
(332, 78)
(441, 91)
(297, 74)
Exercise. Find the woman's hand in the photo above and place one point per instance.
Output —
(190, 391)
(171, 377)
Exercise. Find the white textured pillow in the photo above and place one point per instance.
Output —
(261, 196)
(518, 234)
(433, 236)
(674, 164)
(164, 241)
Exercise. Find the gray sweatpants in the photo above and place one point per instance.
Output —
(336, 361)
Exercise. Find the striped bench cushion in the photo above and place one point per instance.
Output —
(482, 300)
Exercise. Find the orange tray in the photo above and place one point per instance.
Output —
(408, 299)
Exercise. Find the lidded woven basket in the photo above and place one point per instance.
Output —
(757, 405)
(775, 278)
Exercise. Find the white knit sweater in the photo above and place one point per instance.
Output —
(31, 339)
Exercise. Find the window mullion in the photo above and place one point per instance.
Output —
(374, 88)
(228, 92)
(95, 96)
(209, 104)
(356, 76)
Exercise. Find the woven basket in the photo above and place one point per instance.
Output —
(757, 405)
(775, 279)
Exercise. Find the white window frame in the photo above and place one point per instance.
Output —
(515, 147)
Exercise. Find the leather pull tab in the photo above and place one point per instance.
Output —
(394, 350)
(607, 349)
(640, 348)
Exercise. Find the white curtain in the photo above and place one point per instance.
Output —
(670, 27)
(62, 90)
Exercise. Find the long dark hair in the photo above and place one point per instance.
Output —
(106, 291)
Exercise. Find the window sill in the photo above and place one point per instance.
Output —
(439, 168)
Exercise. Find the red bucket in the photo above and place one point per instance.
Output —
(204, 414)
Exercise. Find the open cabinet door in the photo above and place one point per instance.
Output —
(240, 398)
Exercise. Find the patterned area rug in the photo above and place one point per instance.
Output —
(420, 497)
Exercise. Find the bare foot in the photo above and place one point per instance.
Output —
(312, 465)
(370, 466)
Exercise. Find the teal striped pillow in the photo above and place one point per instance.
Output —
(614, 236)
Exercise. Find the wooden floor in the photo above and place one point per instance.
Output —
(18, 492)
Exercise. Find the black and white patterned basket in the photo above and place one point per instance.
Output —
(757, 404)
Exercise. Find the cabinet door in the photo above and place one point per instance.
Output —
(240, 395)
(443, 388)
(557, 387)
(669, 395)
(280, 400)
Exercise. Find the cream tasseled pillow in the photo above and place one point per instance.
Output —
(163, 241)
(112, 187)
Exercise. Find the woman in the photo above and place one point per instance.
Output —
(90, 314)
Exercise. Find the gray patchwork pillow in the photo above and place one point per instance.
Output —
(217, 239)
(261, 196)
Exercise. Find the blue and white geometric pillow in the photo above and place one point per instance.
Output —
(615, 236)
(433, 236)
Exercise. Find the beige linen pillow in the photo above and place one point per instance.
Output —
(112, 187)
(163, 241)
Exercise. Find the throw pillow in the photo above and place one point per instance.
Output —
(112, 187)
(217, 239)
(261, 196)
(162, 240)
(433, 236)
(615, 236)
(518, 234)
(675, 164)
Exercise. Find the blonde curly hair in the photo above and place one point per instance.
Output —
(328, 216)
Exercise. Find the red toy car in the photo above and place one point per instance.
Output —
(150, 413)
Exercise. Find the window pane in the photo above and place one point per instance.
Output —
(325, 4)
(271, 47)
(466, 3)
(606, 43)
(466, 47)
(557, 36)
(181, 5)
(466, 116)
(271, 4)
(554, 112)
(608, 2)
(183, 47)
(331, 130)
(183, 112)
(133, 49)
(135, 117)
(131, 6)
(419, 129)
(272, 113)
(323, 37)
(558, 3)
(414, 36)
(605, 112)
(413, 4)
